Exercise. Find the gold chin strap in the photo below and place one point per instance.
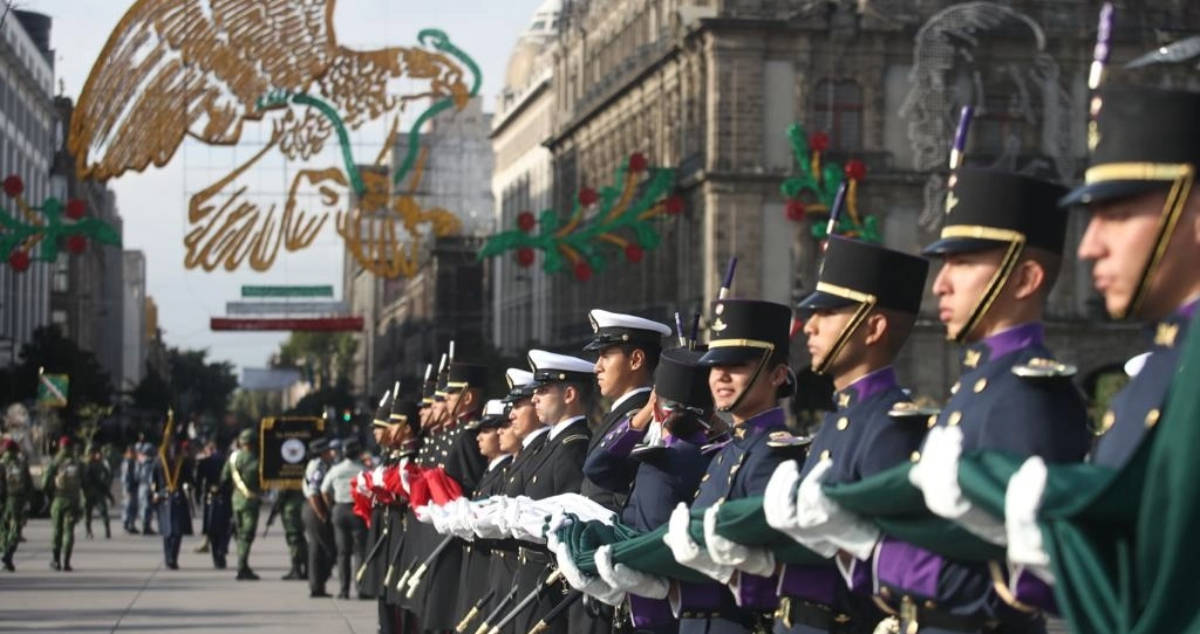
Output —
(866, 303)
(1181, 176)
(1016, 245)
(767, 348)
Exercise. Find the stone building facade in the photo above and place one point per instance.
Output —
(710, 87)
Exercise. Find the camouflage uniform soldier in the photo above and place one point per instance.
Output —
(242, 471)
(15, 486)
(291, 504)
(97, 490)
(63, 484)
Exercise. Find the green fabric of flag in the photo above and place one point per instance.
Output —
(647, 553)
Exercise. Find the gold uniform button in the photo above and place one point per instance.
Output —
(915, 457)
(705, 478)
(1152, 417)
(1107, 422)
(885, 592)
(826, 455)
(932, 421)
(955, 417)
(980, 385)
(534, 479)
(930, 605)
(954, 388)
(843, 423)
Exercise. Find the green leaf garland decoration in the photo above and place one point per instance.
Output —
(620, 217)
(820, 183)
(35, 232)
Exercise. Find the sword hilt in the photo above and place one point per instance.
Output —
(466, 622)
(540, 627)
(415, 581)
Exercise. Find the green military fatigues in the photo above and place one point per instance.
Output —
(291, 505)
(16, 485)
(63, 483)
(97, 487)
(241, 473)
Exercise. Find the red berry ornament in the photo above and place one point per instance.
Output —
(855, 170)
(525, 221)
(13, 186)
(795, 210)
(19, 260)
(675, 205)
(587, 197)
(819, 141)
(75, 208)
(637, 162)
(634, 253)
(525, 256)
(76, 244)
(583, 272)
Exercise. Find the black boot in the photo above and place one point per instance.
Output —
(246, 574)
(107, 531)
(67, 563)
(55, 564)
(8, 562)
(292, 574)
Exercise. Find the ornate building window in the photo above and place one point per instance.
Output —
(837, 109)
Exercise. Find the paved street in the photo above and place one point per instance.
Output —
(122, 585)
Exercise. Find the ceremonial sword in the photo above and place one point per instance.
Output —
(500, 607)
(474, 612)
(529, 600)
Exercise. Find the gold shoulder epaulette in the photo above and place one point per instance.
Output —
(907, 410)
(570, 439)
(1041, 368)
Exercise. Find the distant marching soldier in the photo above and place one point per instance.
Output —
(97, 490)
(564, 393)
(477, 558)
(627, 349)
(62, 483)
(856, 321)
(668, 471)
(460, 458)
(241, 473)
(172, 477)
(317, 527)
(216, 494)
(403, 433)
(291, 504)
(129, 489)
(17, 487)
(349, 530)
(145, 477)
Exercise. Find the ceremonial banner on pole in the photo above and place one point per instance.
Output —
(52, 390)
(283, 449)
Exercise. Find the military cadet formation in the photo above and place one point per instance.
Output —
(686, 504)
(654, 486)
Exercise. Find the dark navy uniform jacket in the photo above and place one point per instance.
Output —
(477, 560)
(740, 469)
(663, 480)
(1137, 408)
(174, 514)
(609, 483)
(997, 410)
(861, 439)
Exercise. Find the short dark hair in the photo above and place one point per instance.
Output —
(652, 354)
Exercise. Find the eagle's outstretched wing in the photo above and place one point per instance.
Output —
(176, 67)
(1181, 51)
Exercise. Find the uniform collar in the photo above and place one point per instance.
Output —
(533, 435)
(1002, 343)
(626, 396)
(1169, 332)
(561, 425)
(765, 421)
(498, 460)
(865, 387)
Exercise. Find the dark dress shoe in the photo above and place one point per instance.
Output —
(319, 595)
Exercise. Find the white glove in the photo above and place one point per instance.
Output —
(936, 475)
(423, 513)
(779, 498)
(813, 522)
(589, 585)
(687, 552)
(1022, 500)
(623, 578)
(486, 516)
(756, 561)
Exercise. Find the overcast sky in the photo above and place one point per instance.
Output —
(153, 203)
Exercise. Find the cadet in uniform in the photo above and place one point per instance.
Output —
(129, 488)
(315, 516)
(748, 375)
(668, 471)
(97, 489)
(241, 474)
(378, 529)
(477, 555)
(62, 483)
(218, 506)
(404, 429)
(1000, 252)
(562, 397)
(172, 471)
(349, 530)
(858, 318)
(460, 458)
(17, 486)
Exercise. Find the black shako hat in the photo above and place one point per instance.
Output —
(464, 375)
(987, 209)
(383, 411)
(1140, 140)
(679, 377)
(406, 412)
(743, 330)
(854, 272)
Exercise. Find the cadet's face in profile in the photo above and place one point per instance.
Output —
(612, 371)
(960, 284)
(452, 407)
(523, 418)
(549, 402)
(380, 435)
(822, 329)
(726, 382)
(1119, 237)
(489, 443)
(437, 412)
(509, 443)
